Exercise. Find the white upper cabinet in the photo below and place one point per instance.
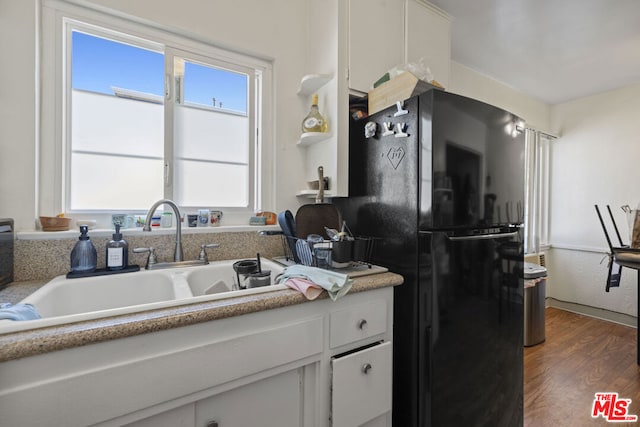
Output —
(428, 36)
(376, 40)
(387, 33)
(355, 43)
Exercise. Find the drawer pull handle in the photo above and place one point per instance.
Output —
(362, 324)
(212, 424)
(366, 368)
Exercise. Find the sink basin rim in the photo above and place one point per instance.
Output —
(8, 326)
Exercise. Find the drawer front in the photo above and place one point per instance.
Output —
(357, 322)
(361, 389)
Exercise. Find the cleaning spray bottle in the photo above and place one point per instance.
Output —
(84, 257)
(117, 251)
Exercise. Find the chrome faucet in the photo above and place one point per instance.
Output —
(178, 255)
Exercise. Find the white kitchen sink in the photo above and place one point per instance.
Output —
(62, 296)
(63, 300)
(220, 277)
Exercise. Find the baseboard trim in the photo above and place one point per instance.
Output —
(598, 313)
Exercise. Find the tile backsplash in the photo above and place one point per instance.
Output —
(45, 259)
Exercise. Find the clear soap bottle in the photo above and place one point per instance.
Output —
(84, 257)
(117, 251)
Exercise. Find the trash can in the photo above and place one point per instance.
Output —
(535, 282)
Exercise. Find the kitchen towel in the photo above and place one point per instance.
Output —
(336, 284)
(304, 286)
(18, 312)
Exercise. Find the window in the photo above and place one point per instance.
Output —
(537, 160)
(116, 141)
(148, 115)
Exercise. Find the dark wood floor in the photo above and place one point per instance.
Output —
(581, 356)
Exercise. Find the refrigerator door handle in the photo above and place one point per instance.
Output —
(483, 236)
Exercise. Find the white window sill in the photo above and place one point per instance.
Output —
(128, 232)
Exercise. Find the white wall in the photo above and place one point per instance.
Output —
(18, 111)
(594, 162)
(272, 30)
(467, 82)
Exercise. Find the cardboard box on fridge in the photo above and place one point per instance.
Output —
(399, 88)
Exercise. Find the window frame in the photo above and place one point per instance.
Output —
(59, 18)
(537, 190)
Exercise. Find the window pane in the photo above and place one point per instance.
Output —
(215, 87)
(211, 135)
(117, 131)
(109, 124)
(208, 184)
(212, 152)
(98, 64)
(115, 183)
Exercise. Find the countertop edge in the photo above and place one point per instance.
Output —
(44, 340)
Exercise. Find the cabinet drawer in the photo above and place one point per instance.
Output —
(361, 386)
(358, 322)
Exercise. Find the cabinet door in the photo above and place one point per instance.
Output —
(428, 35)
(361, 386)
(272, 402)
(184, 416)
(376, 40)
(357, 322)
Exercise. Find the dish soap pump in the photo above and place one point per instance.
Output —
(84, 257)
(117, 251)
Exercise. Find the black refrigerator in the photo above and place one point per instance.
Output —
(438, 182)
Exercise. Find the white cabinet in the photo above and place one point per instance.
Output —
(387, 33)
(271, 368)
(361, 376)
(357, 323)
(376, 40)
(184, 416)
(356, 42)
(428, 36)
(273, 402)
(361, 388)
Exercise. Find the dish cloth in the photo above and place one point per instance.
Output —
(336, 284)
(307, 288)
(18, 312)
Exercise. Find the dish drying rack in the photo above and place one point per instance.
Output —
(355, 253)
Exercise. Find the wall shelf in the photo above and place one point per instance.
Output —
(312, 82)
(309, 138)
(311, 194)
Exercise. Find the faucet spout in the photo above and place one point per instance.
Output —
(178, 255)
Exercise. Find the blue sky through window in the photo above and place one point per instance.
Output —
(98, 64)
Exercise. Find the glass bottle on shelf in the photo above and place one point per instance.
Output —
(314, 122)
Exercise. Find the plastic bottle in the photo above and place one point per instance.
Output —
(117, 252)
(84, 257)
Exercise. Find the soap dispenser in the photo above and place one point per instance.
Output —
(84, 257)
(117, 251)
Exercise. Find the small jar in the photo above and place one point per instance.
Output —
(166, 220)
(203, 217)
(215, 217)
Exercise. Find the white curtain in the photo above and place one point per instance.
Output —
(537, 158)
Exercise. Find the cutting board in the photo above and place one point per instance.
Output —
(313, 218)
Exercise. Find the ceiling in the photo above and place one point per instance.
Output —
(551, 50)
